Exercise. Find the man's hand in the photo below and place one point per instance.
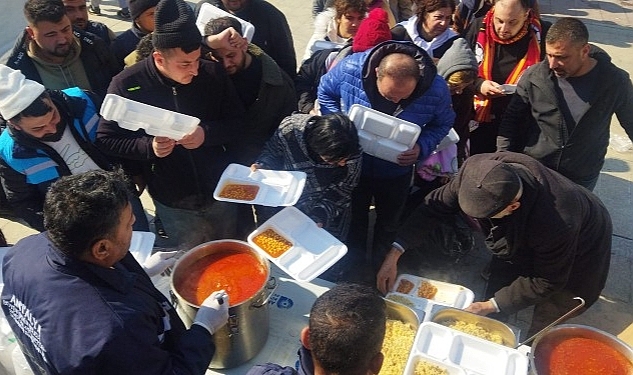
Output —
(193, 140)
(409, 157)
(491, 89)
(481, 308)
(227, 39)
(159, 262)
(388, 271)
(214, 312)
(256, 166)
(163, 146)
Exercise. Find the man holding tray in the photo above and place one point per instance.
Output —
(398, 79)
(181, 175)
(550, 238)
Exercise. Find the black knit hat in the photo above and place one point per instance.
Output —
(175, 26)
(137, 7)
(487, 187)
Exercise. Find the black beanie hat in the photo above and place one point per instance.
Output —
(487, 187)
(137, 7)
(175, 26)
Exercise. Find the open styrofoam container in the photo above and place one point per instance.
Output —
(209, 12)
(474, 355)
(313, 250)
(450, 368)
(133, 115)
(451, 295)
(141, 245)
(276, 188)
(382, 135)
(450, 139)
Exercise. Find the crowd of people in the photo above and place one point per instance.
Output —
(531, 102)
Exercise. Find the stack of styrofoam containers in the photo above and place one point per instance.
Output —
(209, 12)
(381, 135)
(133, 115)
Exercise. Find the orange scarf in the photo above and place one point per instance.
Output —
(487, 39)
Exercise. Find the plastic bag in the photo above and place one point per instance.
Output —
(620, 143)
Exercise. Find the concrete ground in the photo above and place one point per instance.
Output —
(610, 24)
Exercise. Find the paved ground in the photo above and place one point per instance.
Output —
(610, 24)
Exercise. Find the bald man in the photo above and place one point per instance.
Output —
(398, 79)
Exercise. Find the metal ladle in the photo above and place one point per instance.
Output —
(555, 322)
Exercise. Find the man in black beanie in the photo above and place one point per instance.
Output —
(142, 14)
(550, 238)
(181, 175)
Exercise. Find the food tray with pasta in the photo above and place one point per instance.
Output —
(265, 187)
(293, 241)
(474, 355)
(428, 296)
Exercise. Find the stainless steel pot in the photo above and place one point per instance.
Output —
(543, 345)
(247, 330)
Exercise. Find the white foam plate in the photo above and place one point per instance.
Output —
(209, 12)
(276, 188)
(474, 355)
(313, 250)
(508, 88)
(325, 44)
(141, 245)
(451, 295)
(382, 135)
(450, 139)
(133, 115)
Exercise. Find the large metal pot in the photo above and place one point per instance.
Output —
(543, 345)
(247, 330)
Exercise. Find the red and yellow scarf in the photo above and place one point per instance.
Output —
(487, 38)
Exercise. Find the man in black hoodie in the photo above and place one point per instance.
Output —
(562, 109)
(181, 175)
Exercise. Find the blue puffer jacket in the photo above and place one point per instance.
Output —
(353, 81)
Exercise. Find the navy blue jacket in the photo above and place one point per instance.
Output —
(126, 42)
(73, 317)
(306, 366)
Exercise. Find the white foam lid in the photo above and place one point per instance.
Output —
(474, 355)
(133, 115)
(276, 188)
(313, 250)
(209, 12)
(381, 126)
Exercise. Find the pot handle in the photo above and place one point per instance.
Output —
(271, 285)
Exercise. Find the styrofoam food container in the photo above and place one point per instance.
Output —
(450, 295)
(476, 356)
(415, 358)
(450, 139)
(133, 115)
(325, 44)
(276, 188)
(141, 245)
(313, 250)
(508, 88)
(209, 12)
(382, 135)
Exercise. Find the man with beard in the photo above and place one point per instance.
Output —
(272, 33)
(77, 12)
(52, 53)
(561, 113)
(49, 134)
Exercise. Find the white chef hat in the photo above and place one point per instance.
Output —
(16, 92)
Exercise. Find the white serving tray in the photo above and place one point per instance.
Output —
(382, 135)
(451, 295)
(276, 188)
(133, 115)
(209, 12)
(474, 355)
(314, 249)
(141, 245)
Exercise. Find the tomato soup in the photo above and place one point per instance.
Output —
(584, 356)
(240, 273)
